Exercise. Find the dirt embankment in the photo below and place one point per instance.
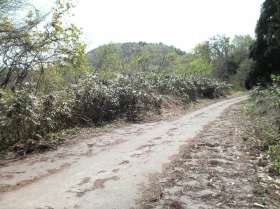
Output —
(219, 169)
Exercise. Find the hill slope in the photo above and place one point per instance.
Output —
(141, 56)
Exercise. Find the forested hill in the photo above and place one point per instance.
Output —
(220, 57)
(130, 49)
(147, 56)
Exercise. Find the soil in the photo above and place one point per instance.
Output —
(217, 169)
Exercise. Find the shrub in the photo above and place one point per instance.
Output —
(56, 112)
(26, 117)
(95, 102)
(135, 96)
(267, 109)
(189, 87)
(19, 116)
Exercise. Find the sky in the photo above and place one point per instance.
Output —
(181, 23)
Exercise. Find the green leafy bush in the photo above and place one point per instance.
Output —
(276, 164)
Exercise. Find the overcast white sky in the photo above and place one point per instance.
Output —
(182, 23)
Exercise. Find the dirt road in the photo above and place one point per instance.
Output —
(217, 169)
(104, 172)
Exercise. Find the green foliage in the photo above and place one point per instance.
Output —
(241, 48)
(274, 152)
(267, 112)
(36, 44)
(228, 55)
(266, 49)
(220, 57)
(276, 164)
(143, 57)
(239, 79)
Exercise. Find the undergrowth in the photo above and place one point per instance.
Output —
(265, 110)
(27, 120)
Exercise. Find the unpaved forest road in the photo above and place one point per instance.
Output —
(105, 172)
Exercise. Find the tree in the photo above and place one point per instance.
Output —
(266, 49)
(241, 47)
(227, 55)
(36, 44)
(221, 48)
(239, 79)
(203, 51)
(108, 59)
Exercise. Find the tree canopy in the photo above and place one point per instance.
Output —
(36, 44)
(266, 49)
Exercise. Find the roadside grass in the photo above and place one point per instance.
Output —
(263, 109)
